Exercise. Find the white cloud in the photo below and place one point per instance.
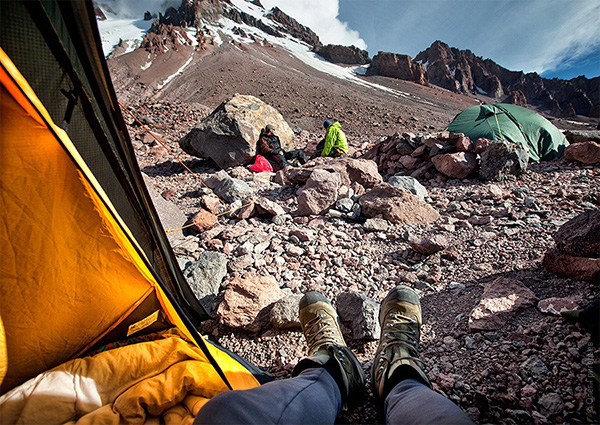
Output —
(528, 35)
(322, 17)
(541, 36)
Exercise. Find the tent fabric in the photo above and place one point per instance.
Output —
(533, 132)
(72, 271)
(56, 46)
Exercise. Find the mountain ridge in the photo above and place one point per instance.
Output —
(459, 71)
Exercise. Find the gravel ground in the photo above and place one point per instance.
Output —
(532, 370)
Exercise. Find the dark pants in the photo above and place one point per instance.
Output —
(281, 161)
(313, 397)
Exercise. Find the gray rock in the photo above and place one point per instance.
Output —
(409, 184)
(280, 220)
(231, 190)
(551, 404)
(205, 277)
(502, 159)
(534, 367)
(376, 225)
(284, 313)
(344, 205)
(359, 315)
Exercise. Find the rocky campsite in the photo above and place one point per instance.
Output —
(499, 247)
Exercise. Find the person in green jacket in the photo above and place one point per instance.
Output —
(334, 144)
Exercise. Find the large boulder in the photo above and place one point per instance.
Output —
(577, 252)
(245, 298)
(229, 134)
(502, 159)
(456, 165)
(580, 235)
(396, 205)
(586, 152)
(351, 171)
(319, 193)
(398, 66)
(205, 277)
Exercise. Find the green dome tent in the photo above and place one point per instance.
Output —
(539, 136)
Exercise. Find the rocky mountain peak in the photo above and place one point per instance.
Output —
(294, 28)
(463, 72)
(350, 55)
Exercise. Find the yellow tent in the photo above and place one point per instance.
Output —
(84, 261)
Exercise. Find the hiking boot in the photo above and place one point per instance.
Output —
(326, 347)
(397, 355)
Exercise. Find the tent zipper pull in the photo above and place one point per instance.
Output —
(72, 96)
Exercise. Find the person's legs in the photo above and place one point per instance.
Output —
(318, 149)
(329, 379)
(312, 397)
(279, 161)
(296, 154)
(413, 402)
(398, 374)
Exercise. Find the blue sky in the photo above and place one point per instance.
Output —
(555, 38)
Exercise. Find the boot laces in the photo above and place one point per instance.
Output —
(320, 331)
(401, 332)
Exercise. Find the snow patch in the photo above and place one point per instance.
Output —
(480, 91)
(179, 71)
(113, 30)
(303, 52)
(146, 66)
(192, 34)
(361, 70)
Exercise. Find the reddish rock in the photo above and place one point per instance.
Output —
(585, 152)
(244, 212)
(361, 171)
(396, 205)
(264, 206)
(430, 245)
(419, 151)
(211, 203)
(398, 66)
(169, 193)
(409, 162)
(456, 165)
(577, 268)
(517, 97)
(501, 299)
(319, 193)
(462, 143)
(202, 221)
(245, 298)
